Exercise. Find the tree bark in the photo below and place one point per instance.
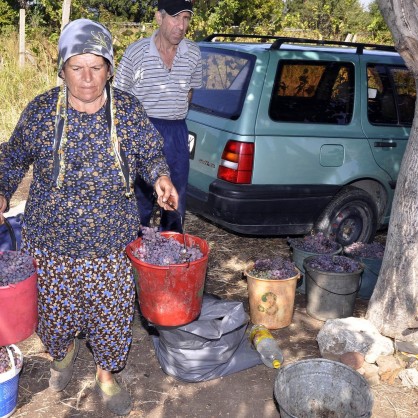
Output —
(393, 307)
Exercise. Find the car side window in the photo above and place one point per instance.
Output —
(226, 76)
(391, 95)
(313, 92)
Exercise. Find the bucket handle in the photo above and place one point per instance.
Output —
(11, 358)
(14, 370)
(340, 294)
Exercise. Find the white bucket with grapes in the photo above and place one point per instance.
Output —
(11, 361)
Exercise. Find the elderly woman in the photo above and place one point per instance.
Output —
(86, 142)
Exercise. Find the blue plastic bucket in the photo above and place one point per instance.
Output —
(369, 277)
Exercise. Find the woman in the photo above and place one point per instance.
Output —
(86, 142)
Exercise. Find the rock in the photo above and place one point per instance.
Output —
(352, 359)
(371, 373)
(409, 378)
(342, 335)
(407, 347)
(389, 364)
(389, 376)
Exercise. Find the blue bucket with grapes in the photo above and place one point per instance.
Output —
(18, 297)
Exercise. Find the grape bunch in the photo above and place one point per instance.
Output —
(15, 267)
(5, 364)
(334, 263)
(273, 268)
(365, 250)
(162, 251)
(317, 243)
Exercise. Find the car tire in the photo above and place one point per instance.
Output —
(350, 217)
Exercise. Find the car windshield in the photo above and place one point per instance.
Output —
(226, 76)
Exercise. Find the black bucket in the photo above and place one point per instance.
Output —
(330, 295)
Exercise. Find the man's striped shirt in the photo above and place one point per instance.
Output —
(162, 92)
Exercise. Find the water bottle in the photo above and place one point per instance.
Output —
(267, 346)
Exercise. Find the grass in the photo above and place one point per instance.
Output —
(21, 84)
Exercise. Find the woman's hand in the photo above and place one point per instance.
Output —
(167, 196)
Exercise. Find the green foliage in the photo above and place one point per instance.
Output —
(377, 26)
(23, 83)
(323, 19)
(8, 14)
(332, 19)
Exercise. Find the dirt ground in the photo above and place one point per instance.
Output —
(248, 393)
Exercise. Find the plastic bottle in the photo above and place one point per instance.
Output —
(267, 346)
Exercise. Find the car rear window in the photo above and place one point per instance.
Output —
(226, 75)
(391, 95)
(313, 92)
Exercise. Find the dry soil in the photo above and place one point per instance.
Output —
(248, 393)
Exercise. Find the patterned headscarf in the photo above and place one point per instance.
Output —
(84, 36)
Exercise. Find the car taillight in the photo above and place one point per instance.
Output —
(237, 162)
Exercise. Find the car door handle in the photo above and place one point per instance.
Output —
(379, 144)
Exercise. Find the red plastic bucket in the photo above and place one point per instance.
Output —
(18, 310)
(171, 295)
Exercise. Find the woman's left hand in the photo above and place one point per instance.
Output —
(167, 196)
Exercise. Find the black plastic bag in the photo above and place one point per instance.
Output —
(215, 344)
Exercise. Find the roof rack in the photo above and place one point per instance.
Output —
(278, 41)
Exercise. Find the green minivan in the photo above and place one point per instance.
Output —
(291, 135)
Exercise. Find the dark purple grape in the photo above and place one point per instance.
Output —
(333, 263)
(365, 250)
(273, 268)
(15, 267)
(5, 364)
(162, 251)
(317, 243)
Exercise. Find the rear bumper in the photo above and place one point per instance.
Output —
(261, 209)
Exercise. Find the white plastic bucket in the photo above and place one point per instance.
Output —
(9, 384)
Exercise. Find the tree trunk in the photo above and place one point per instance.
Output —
(393, 307)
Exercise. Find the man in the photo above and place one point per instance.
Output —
(162, 72)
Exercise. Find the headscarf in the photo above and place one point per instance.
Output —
(84, 36)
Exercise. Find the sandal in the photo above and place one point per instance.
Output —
(116, 398)
(62, 371)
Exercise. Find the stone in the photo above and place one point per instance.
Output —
(352, 359)
(409, 378)
(371, 373)
(342, 335)
(389, 364)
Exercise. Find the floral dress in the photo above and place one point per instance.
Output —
(78, 231)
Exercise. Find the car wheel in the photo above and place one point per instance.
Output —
(351, 216)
